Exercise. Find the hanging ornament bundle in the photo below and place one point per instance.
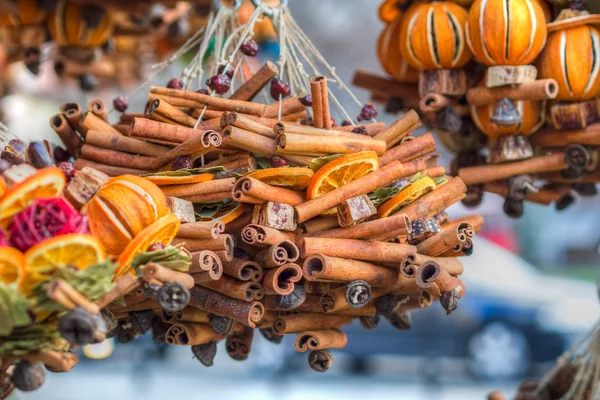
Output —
(511, 91)
(235, 202)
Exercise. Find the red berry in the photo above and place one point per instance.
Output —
(306, 100)
(277, 161)
(249, 48)
(228, 71)
(175, 83)
(367, 112)
(279, 88)
(219, 83)
(307, 121)
(67, 170)
(120, 104)
(360, 130)
(346, 122)
(156, 246)
(202, 91)
(60, 154)
(181, 162)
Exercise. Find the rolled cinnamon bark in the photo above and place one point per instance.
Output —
(434, 279)
(238, 345)
(541, 89)
(549, 137)
(116, 158)
(278, 254)
(155, 272)
(287, 127)
(281, 280)
(542, 196)
(265, 236)
(191, 334)
(392, 88)
(355, 249)
(296, 323)
(97, 107)
(256, 83)
(395, 223)
(162, 107)
(175, 102)
(320, 102)
(188, 314)
(444, 241)
(371, 129)
(322, 339)
(291, 105)
(112, 141)
(321, 267)
(320, 224)
(212, 101)
(399, 129)
(206, 261)
(451, 264)
(291, 143)
(256, 189)
(123, 285)
(363, 185)
(496, 172)
(150, 130)
(73, 113)
(247, 313)
(222, 242)
(244, 270)
(60, 289)
(66, 133)
(213, 186)
(246, 291)
(243, 122)
(209, 197)
(437, 200)
(201, 229)
(476, 221)
(433, 102)
(56, 361)
(410, 150)
(91, 121)
(109, 170)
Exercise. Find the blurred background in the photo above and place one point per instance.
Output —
(531, 281)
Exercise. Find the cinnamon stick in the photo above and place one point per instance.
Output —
(209, 197)
(244, 270)
(320, 339)
(291, 143)
(264, 235)
(149, 129)
(163, 108)
(248, 124)
(112, 141)
(433, 102)
(109, 170)
(66, 133)
(188, 314)
(206, 261)
(395, 223)
(548, 137)
(291, 105)
(73, 113)
(278, 254)
(248, 186)
(186, 190)
(115, 158)
(191, 334)
(281, 280)
(246, 291)
(399, 129)
(256, 83)
(201, 229)
(407, 151)
(155, 272)
(437, 200)
(320, 267)
(222, 242)
(355, 249)
(91, 121)
(247, 313)
(444, 241)
(98, 108)
(541, 89)
(296, 323)
(434, 279)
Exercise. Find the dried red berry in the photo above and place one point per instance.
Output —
(306, 100)
(120, 104)
(249, 48)
(175, 83)
(227, 69)
(279, 89)
(367, 112)
(67, 169)
(277, 161)
(60, 154)
(202, 91)
(156, 246)
(346, 122)
(307, 121)
(219, 83)
(181, 162)
(360, 130)
(43, 219)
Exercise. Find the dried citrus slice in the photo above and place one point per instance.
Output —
(290, 178)
(406, 196)
(47, 182)
(75, 249)
(2, 186)
(12, 265)
(341, 171)
(229, 216)
(162, 180)
(162, 231)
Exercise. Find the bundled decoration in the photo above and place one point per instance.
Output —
(489, 111)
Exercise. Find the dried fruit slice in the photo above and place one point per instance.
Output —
(406, 196)
(47, 182)
(162, 231)
(162, 180)
(290, 178)
(230, 215)
(12, 266)
(341, 171)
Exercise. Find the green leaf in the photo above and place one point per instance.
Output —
(121, 301)
(14, 309)
(187, 171)
(440, 180)
(263, 162)
(381, 195)
(171, 257)
(208, 210)
(319, 162)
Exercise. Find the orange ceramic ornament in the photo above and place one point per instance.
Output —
(506, 32)
(432, 36)
(388, 52)
(69, 27)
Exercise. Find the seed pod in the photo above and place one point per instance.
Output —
(369, 323)
(401, 319)
(513, 208)
(205, 353)
(270, 335)
(124, 332)
(292, 300)
(28, 377)
(38, 156)
(320, 360)
(222, 325)
(173, 296)
(78, 327)
(449, 300)
(358, 293)
(141, 321)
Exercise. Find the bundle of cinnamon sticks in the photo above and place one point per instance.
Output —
(272, 246)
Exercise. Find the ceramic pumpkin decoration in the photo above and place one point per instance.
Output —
(388, 53)
(432, 36)
(506, 32)
(74, 25)
(390, 10)
(571, 57)
(29, 13)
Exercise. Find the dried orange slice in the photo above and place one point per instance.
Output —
(290, 178)
(12, 266)
(231, 215)
(47, 182)
(162, 180)
(75, 249)
(162, 231)
(409, 194)
(2, 186)
(341, 171)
